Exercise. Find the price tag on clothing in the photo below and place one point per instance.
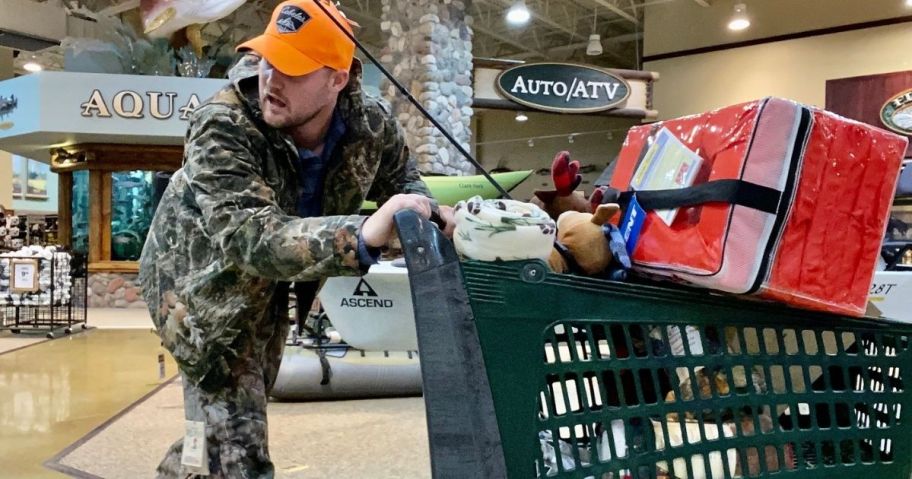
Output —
(194, 452)
(161, 366)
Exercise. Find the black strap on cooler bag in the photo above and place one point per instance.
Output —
(735, 192)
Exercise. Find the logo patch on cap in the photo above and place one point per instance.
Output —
(291, 19)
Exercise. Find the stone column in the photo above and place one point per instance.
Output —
(429, 50)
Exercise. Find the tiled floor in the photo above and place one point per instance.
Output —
(114, 318)
(11, 342)
(55, 392)
(376, 439)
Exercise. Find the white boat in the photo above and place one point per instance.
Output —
(374, 316)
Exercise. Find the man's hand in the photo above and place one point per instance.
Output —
(378, 229)
(446, 214)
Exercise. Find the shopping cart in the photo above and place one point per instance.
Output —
(531, 374)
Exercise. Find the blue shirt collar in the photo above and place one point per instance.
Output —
(335, 132)
(311, 169)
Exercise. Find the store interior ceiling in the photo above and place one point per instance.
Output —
(558, 30)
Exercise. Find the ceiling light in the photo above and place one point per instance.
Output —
(595, 45)
(739, 20)
(521, 117)
(518, 14)
(595, 40)
(909, 3)
(32, 67)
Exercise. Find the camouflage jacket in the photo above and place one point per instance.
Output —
(225, 233)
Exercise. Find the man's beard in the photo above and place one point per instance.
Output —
(291, 123)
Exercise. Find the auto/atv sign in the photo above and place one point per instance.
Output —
(563, 87)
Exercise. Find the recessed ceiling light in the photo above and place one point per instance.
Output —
(521, 117)
(518, 14)
(739, 20)
(32, 67)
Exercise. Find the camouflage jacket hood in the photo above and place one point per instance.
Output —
(226, 235)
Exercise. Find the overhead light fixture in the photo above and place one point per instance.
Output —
(595, 40)
(32, 66)
(518, 14)
(521, 117)
(909, 3)
(595, 45)
(739, 20)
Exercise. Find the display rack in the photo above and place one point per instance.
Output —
(61, 301)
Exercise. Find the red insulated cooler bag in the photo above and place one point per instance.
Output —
(790, 203)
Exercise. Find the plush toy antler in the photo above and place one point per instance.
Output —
(564, 197)
(565, 174)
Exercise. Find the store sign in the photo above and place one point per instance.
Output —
(896, 114)
(563, 87)
(131, 104)
(25, 276)
(44, 111)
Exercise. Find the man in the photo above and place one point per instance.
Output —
(276, 165)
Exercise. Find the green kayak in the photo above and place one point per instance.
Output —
(449, 190)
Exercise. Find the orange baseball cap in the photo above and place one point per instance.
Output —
(300, 38)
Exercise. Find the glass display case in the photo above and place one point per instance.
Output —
(131, 213)
(107, 196)
(896, 252)
(897, 247)
(80, 212)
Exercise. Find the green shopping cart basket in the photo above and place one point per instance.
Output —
(533, 374)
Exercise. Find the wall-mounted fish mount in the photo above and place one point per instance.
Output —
(163, 18)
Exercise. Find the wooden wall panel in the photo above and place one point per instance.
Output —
(861, 98)
(105, 201)
(65, 209)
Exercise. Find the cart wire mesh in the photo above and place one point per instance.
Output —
(595, 379)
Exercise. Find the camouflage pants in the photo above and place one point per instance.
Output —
(235, 412)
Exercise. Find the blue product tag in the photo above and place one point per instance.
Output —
(632, 223)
